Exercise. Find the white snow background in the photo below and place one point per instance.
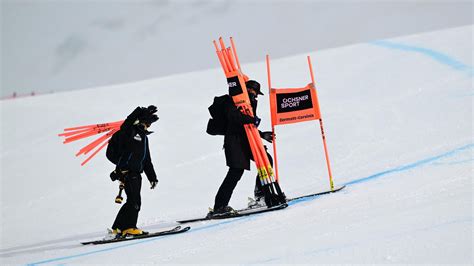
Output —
(398, 121)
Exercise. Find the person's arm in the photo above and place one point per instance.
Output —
(149, 169)
(126, 135)
(235, 116)
(266, 135)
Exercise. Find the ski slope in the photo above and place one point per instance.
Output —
(398, 121)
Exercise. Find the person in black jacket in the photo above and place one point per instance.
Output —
(134, 159)
(237, 149)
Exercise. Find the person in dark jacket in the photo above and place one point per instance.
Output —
(237, 149)
(134, 160)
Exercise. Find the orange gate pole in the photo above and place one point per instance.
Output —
(322, 130)
(100, 148)
(273, 126)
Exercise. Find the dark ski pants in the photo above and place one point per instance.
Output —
(127, 217)
(258, 192)
(227, 187)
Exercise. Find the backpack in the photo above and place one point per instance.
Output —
(114, 149)
(217, 124)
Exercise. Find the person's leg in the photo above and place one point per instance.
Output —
(128, 215)
(227, 187)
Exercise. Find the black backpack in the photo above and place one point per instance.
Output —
(217, 125)
(114, 149)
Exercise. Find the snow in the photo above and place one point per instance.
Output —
(397, 115)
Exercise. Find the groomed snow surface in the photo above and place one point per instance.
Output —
(397, 115)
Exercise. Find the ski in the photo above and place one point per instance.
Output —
(238, 213)
(316, 194)
(176, 230)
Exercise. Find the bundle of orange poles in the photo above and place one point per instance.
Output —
(231, 66)
(81, 132)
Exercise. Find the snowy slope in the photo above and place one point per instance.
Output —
(398, 121)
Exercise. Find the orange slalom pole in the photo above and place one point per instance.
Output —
(235, 53)
(224, 53)
(262, 172)
(98, 141)
(252, 150)
(92, 155)
(223, 62)
(322, 131)
(263, 161)
(94, 125)
(80, 136)
(219, 56)
(273, 126)
(71, 133)
(253, 146)
(227, 60)
(93, 144)
(231, 59)
(221, 42)
(89, 133)
(263, 154)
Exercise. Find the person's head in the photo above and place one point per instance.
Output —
(253, 88)
(145, 126)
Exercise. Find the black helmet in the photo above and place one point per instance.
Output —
(252, 84)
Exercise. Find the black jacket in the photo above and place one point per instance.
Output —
(236, 145)
(136, 152)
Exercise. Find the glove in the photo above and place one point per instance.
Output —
(136, 113)
(152, 109)
(148, 115)
(267, 135)
(247, 119)
(153, 184)
(257, 121)
(118, 174)
(148, 118)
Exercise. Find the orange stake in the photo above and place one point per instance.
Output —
(80, 136)
(263, 154)
(231, 65)
(95, 143)
(322, 131)
(71, 133)
(225, 55)
(235, 53)
(92, 155)
(273, 126)
(263, 174)
(227, 60)
(94, 125)
(231, 59)
(89, 133)
(221, 59)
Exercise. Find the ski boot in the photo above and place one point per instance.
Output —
(258, 202)
(221, 212)
(210, 213)
(113, 234)
(131, 232)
